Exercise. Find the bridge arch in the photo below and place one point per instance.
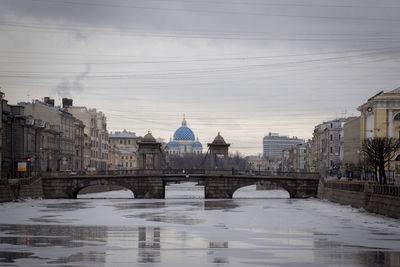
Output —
(282, 185)
(78, 187)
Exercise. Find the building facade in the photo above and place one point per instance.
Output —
(184, 142)
(96, 129)
(30, 145)
(352, 142)
(59, 120)
(327, 145)
(79, 145)
(380, 117)
(124, 140)
(274, 144)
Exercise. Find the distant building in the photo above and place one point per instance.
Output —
(124, 147)
(28, 141)
(79, 145)
(352, 142)
(274, 144)
(124, 140)
(127, 160)
(327, 145)
(96, 128)
(114, 158)
(59, 120)
(258, 163)
(184, 142)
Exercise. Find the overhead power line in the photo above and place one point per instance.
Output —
(81, 3)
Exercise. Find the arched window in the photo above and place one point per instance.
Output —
(397, 158)
(397, 117)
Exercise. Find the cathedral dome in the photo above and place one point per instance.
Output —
(197, 144)
(184, 133)
(172, 144)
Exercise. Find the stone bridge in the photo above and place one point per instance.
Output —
(150, 179)
(144, 186)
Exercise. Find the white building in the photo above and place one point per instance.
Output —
(274, 144)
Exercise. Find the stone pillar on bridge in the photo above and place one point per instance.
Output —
(149, 156)
(149, 183)
(218, 164)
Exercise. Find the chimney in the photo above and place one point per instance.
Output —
(49, 101)
(66, 102)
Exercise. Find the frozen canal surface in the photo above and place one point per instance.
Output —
(185, 230)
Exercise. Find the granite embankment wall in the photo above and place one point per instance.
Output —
(13, 189)
(380, 199)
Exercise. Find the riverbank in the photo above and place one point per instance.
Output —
(380, 199)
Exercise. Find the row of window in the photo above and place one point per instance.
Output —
(331, 137)
(95, 154)
(126, 142)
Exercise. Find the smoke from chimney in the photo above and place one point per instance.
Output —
(66, 87)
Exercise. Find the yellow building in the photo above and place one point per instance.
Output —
(380, 117)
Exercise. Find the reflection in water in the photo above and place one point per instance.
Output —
(215, 255)
(218, 245)
(339, 253)
(223, 205)
(239, 232)
(149, 245)
(11, 256)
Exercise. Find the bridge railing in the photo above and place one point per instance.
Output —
(88, 173)
(184, 171)
(390, 190)
(277, 173)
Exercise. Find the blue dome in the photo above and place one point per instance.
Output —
(172, 144)
(197, 144)
(183, 133)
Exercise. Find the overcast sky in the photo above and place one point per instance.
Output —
(241, 67)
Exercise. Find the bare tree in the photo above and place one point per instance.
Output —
(378, 151)
(187, 161)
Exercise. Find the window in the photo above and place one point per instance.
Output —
(129, 142)
(331, 137)
(331, 149)
(397, 117)
(120, 141)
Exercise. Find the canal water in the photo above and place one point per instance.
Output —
(257, 228)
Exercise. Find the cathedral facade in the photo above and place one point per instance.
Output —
(184, 142)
